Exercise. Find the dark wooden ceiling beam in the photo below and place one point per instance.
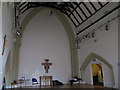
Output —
(22, 4)
(82, 11)
(93, 13)
(75, 3)
(87, 8)
(68, 3)
(74, 9)
(66, 13)
(76, 13)
(98, 20)
(76, 19)
(73, 16)
(64, 7)
(24, 10)
(79, 15)
(93, 6)
(100, 3)
(72, 21)
(26, 6)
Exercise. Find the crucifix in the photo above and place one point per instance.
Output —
(46, 65)
(4, 44)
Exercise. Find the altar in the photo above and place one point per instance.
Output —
(45, 81)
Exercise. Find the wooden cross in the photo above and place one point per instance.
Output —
(4, 44)
(46, 65)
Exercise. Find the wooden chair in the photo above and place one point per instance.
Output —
(46, 81)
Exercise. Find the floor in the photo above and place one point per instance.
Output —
(76, 86)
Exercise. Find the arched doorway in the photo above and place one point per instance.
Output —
(68, 28)
(87, 65)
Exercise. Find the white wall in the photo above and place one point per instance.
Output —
(88, 75)
(45, 37)
(107, 76)
(106, 45)
(7, 26)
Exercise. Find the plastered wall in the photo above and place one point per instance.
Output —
(105, 44)
(45, 37)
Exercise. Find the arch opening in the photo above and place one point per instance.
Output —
(68, 28)
(101, 59)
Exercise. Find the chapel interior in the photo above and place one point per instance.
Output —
(59, 44)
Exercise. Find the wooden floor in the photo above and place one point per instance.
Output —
(77, 86)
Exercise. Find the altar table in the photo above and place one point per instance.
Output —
(46, 81)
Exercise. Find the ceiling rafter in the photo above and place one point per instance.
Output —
(64, 7)
(25, 6)
(73, 16)
(100, 3)
(69, 4)
(95, 12)
(93, 6)
(22, 4)
(82, 10)
(87, 8)
(67, 7)
(71, 13)
(76, 11)
(99, 19)
(72, 21)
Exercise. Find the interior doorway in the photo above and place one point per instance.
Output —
(97, 74)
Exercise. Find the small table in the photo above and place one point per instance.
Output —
(46, 81)
(21, 83)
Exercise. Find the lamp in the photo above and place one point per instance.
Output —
(93, 34)
(18, 33)
(106, 27)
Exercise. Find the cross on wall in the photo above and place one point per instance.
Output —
(4, 44)
(46, 65)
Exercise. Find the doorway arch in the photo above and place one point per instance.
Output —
(68, 28)
(89, 59)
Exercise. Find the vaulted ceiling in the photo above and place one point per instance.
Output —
(77, 12)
